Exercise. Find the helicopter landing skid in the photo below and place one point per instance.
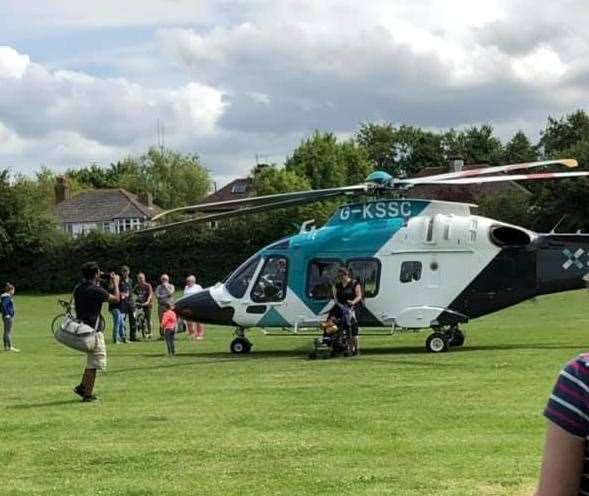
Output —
(444, 338)
(240, 344)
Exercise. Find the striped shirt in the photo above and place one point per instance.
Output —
(568, 407)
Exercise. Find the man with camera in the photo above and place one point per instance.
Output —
(88, 300)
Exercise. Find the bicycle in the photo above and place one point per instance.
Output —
(141, 322)
(68, 314)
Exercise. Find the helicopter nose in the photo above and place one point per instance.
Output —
(201, 307)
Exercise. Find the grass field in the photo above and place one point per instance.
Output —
(394, 421)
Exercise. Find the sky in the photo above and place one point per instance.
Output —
(85, 82)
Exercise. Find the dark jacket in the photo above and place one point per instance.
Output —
(7, 305)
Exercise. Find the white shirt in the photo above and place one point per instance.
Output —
(195, 288)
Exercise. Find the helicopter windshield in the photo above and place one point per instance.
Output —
(239, 281)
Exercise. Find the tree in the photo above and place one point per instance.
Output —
(519, 149)
(327, 163)
(512, 207)
(378, 141)
(476, 145)
(26, 228)
(174, 179)
(282, 222)
(403, 151)
(564, 133)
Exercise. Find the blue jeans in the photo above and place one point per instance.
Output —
(118, 325)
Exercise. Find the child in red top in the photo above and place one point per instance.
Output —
(168, 324)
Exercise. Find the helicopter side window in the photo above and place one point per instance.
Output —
(272, 281)
(239, 281)
(410, 271)
(367, 273)
(321, 278)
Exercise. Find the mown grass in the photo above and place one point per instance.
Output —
(395, 421)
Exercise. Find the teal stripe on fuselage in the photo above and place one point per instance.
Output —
(354, 231)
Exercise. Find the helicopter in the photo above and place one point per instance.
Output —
(422, 264)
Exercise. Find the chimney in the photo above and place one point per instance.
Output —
(146, 198)
(62, 190)
(456, 164)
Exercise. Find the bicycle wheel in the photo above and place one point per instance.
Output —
(57, 321)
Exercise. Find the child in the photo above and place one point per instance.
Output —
(7, 306)
(168, 324)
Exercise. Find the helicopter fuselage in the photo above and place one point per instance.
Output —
(421, 264)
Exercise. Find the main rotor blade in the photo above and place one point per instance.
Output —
(233, 213)
(507, 177)
(310, 196)
(568, 162)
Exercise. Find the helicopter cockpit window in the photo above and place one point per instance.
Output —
(367, 273)
(410, 271)
(272, 281)
(239, 281)
(321, 278)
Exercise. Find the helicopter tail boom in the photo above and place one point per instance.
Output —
(562, 262)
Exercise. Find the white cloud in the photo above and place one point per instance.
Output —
(542, 66)
(234, 78)
(12, 64)
(70, 118)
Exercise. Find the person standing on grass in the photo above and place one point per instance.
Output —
(144, 299)
(169, 323)
(88, 300)
(164, 294)
(116, 310)
(565, 470)
(7, 305)
(128, 303)
(348, 293)
(195, 330)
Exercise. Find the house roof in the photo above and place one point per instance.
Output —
(466, 193)
(103, 205)
(235, 190)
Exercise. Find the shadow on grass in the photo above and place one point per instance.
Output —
(192, 359)
(46, 404)
(521, 346)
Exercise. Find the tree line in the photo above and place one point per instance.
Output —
(36, 255)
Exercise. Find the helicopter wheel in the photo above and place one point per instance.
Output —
(240, 345)
(436, 343)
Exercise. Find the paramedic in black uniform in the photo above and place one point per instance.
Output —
(348, 292)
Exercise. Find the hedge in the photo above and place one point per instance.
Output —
(211, 254)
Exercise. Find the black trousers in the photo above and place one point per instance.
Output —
(132, 325)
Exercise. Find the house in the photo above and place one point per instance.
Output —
(235, 190)
(108, 210)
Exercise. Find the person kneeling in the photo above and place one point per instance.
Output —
(169, 323)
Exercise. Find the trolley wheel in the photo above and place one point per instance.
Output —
(240, 345)
(436, 343)
(457, 338)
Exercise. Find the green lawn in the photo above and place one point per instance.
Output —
(395, 421)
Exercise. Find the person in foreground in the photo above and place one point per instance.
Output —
(88, 300)
(565, 471)
(169, 323)
(7, 307)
